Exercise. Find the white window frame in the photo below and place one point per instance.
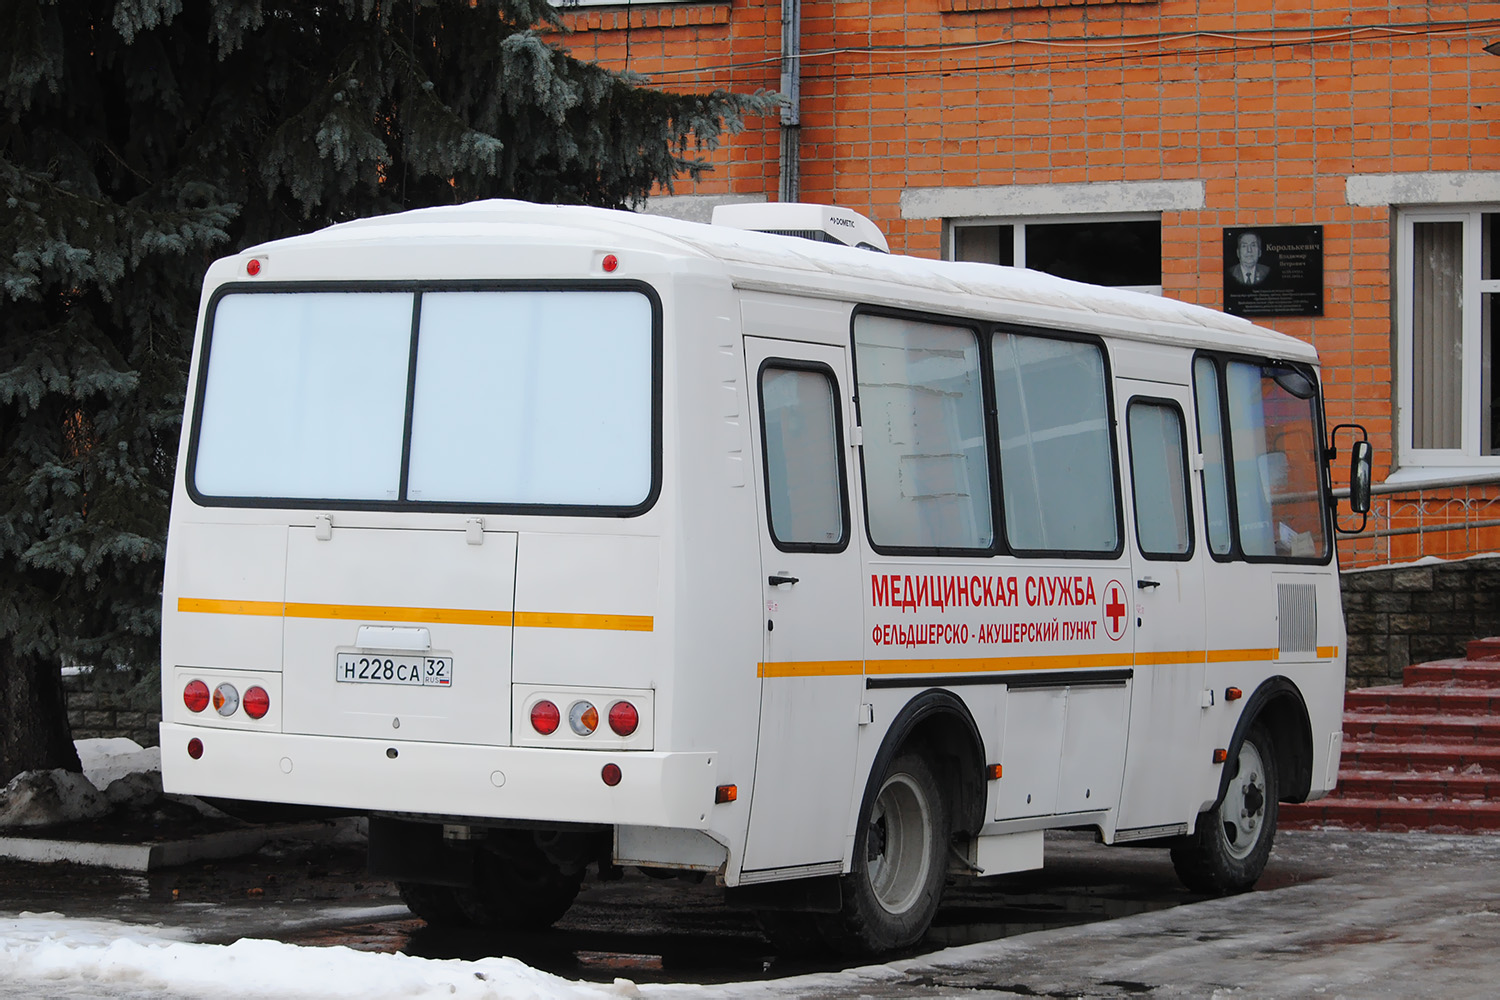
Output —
(1018, 224)
(1468, 456)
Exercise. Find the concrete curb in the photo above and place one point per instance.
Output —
(150, 857)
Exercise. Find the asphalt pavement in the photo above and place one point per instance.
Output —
(1338, 914)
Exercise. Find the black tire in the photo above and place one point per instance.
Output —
(1228, 851)
(900, 856)
(436, 904)
(516, 886)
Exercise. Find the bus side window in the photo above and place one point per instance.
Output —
(1056, 462)
(927, 480)
(803, 483)
(1158, 478)
(1211, 444)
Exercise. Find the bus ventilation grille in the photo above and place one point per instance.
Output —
(1297, 617)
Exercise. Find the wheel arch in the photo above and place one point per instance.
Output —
(1279, 706)
(938, 723)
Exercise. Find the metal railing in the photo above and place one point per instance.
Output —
(1461, 503)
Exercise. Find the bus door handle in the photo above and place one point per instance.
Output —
(777, 581)
(1144, 584)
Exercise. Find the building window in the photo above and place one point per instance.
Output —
(1447, 280)
(1119, 251)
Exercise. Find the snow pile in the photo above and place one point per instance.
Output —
(118, 774)
(52, 949)
(39, 798)
(105, 761)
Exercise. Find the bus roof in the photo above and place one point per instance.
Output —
(768, 262)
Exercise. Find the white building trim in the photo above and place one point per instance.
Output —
(1033, 200)
(1455, 187)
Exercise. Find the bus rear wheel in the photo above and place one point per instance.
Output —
(1229, 850)
(517, 887)
(900, 855)
(436, 904)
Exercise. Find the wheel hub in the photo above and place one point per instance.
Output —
(1244, 809)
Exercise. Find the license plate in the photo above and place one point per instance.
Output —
(394, 668)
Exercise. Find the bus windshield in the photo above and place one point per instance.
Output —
(476, 397)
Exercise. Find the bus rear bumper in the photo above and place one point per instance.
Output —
(443, 779)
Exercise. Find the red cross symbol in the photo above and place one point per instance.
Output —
(1114, 610)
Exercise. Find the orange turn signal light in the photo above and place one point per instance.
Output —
(1220, 756)
(726, 793)
(1233, 694)
(994, 771)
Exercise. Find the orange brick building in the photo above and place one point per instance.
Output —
(1131, 143)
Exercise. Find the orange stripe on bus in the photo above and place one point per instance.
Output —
(1327, 652)
(1235, 655)
(204, 606)
(811, 668)
(436, 616)
(1161, 657)
(617, 623)
(996, 664)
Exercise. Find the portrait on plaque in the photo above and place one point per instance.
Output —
(1273, 271)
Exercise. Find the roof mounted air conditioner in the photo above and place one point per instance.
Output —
(820, 223)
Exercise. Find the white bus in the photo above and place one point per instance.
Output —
(556, 538)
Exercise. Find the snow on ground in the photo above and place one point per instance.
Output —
(105, 761)
(51, 950)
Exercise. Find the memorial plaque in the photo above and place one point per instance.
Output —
(1273, 271)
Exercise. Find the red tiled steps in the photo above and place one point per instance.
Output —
(1424, 755)
(1466, 816)
(1454, 673)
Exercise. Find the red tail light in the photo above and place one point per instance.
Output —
(545, 717)
(623, 718)
(195, 696)
(257, 702)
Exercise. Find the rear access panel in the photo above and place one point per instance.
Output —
(399, 634)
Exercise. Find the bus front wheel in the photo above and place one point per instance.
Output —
(1232, 844)
(900, 856)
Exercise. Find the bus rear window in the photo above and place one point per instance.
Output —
(517, 398)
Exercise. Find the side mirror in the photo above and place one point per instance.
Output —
(1362, 457)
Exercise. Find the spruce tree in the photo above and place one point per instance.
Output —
(142, 138)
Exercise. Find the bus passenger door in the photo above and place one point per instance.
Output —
(812, 669)
(1167, 556)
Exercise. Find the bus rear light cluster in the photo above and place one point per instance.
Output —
(583, 718)
(226, 699)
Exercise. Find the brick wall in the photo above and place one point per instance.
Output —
(1413, 614)
(1272, 108)
(109, 703)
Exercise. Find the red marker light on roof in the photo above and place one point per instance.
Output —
(252, 268)
(610, 263)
